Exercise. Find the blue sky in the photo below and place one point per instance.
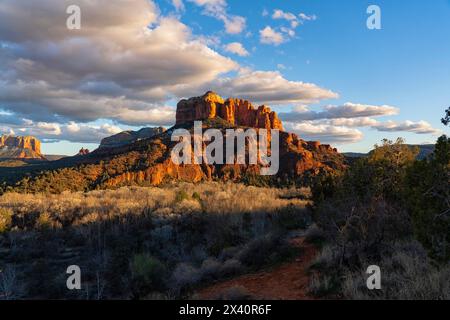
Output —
(355, 71)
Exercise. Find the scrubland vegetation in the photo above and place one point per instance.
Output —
(388, 210)
(143, 243)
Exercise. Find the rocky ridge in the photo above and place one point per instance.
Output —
(127, 137)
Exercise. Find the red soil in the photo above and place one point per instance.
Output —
(286, 282)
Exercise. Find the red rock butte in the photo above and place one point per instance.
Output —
(28, 142)
(236, 111)
(20, 147)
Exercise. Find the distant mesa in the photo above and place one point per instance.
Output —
(17, 147)
(129, 137)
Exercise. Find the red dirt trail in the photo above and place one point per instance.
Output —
(288, 281)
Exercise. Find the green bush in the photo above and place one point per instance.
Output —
(148, 274)
(264, 250)
(196, 196)
(382, 199)
(181, 196)
(5, 219)
(427, 196)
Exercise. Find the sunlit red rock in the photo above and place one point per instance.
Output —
(236, 111)
(16, 147)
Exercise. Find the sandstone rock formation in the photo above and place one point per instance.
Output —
(128, 137)
(298, 158)
(144, 157)
(83, 152)
(15, 147)
(236, 111)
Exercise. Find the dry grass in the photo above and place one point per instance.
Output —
(215, 198)
(143, 243)
(406, 274)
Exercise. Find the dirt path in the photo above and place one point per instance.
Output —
(288, 281)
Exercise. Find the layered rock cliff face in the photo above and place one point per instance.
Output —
(236, 111)
(298, 158)
(12, 147)
(128, 137)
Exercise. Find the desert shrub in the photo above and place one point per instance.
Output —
(9, 284)
(188, 207)
(42, 281)
(184, 278)
(210, 269)
(181, 196)
(363, 228)
(44, 221)
(379, 201)
(315, 235)
(380, 175)
(257, 180)
(264, 250)
(196, 238)
(222, 233)
(407, 274)
(196, 196)
(5, 219)
(228, 253)
(428, 199)
(365, 208)
(291, 218)
(231, 267)
(148, 274)
(323, 285)
(162, 235)
(325, 277)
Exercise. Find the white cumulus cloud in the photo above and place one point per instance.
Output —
(271, 36)
(123, 64)
(237, 48)
(325, 133)
(347, 110)
(218, 9)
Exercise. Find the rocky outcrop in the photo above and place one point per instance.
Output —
(236, 111)
(298, 159)
(83, 152)
(128, 137)
(16, 147)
